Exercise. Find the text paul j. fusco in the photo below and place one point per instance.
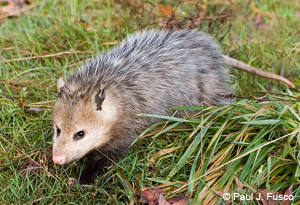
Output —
(270, 196)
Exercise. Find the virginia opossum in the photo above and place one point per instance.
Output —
(150, 72)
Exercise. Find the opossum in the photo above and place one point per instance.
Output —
(149, 72)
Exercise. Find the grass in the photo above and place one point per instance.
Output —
(257, 141)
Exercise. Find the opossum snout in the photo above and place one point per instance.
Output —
(60, 159)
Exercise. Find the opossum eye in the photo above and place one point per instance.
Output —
(58, 131)
(79, 135)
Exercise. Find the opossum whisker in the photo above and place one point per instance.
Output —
(76, 160)
(266, 99)
(262, 91)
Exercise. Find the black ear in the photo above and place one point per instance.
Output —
(99, 98)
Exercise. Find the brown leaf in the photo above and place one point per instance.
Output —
(267, 197)
(219, 193)
(241, 186)
(151, 195)
(178, 200)
(287, 193)
(165, 10)
(162, 201)
(29, 166)
(11, 6)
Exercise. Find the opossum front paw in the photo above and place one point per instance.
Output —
(86, 180)
(88, 176)
(72, 181)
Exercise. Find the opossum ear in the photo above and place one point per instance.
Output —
(99, 98)
(60, 84)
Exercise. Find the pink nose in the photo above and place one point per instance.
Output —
(60, 159)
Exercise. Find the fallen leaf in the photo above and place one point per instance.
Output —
(241, 186)
(29, 166)
(219, 193)
(155, 196)
(165, 10)
(11, 6)
(15, 8)
(162, 201)
(178, 200)
(151, 195)
(287, 193)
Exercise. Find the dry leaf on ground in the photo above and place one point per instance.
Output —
(178, 200)
(151, 195)
(155, 196)
(264, 197)
(287, 194)
(15, 8)
(162, 201)
(241, 186)
(165, 10)
(29, 166)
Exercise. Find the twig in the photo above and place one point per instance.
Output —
(46, 56)
(10, 97)
(258, 11)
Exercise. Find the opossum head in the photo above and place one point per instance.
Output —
(81, 123)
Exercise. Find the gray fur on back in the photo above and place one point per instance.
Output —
(152, 71)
